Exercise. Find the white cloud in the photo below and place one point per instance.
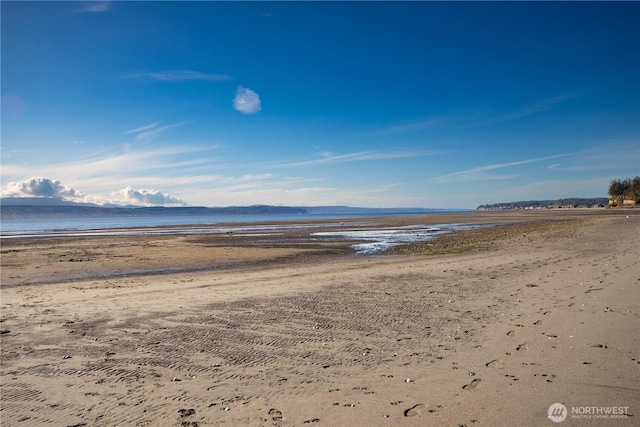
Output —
(131, 196)
(50, 188)
(40, 187)
(246, 101)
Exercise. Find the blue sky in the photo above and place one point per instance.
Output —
(376, 104)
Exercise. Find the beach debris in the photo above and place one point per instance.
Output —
(66, 356)
(4, 331)
(408, 380)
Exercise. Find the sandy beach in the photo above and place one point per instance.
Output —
(487, 327)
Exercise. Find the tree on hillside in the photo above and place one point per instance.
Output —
(628, 189)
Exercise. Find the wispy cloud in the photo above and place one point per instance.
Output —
(427, 123)
(108, 170)
(480, 173)
(623, 156)
(151, 131)
(557, 189)
(185, 173)
(281, 191)
(181, 75)
(143, 128)
(328, 157)
(171, 169)
(529, 110)
(247, 101)
(471, 118)
(95, 6)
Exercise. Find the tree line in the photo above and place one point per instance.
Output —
(547, 204)
(626, 189)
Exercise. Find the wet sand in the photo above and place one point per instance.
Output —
(486, 327)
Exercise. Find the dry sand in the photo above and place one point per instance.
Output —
(285, 331)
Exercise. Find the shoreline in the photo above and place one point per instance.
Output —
(209, 227)
(105, 254)
(302, 332)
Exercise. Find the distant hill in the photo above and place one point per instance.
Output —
(338, 210)
(35, 208)
(547, 204)
(12, 208)
(39, 201)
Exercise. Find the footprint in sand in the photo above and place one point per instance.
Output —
(599, 346)
(414, 410)
(472, 385)
(276, 415)
(495, 363)
(186, 412)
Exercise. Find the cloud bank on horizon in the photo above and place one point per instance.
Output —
(42, 187)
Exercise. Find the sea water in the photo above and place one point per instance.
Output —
(371, 238)
(15, 228)
(380, 239)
